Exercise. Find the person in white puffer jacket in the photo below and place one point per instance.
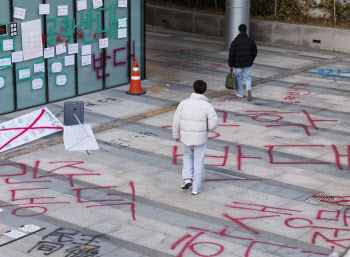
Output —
(194, 118)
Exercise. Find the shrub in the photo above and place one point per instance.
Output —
(289, 10)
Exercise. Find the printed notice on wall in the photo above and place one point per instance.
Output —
(18, 135)
(73, 48)
(24, 74)
(122, 3)
(86, 49)
(97, 3)
(122, 23)
(32, 40)
(49, 52)
(2, 81)
(122, 33)
(37, 84)
(44, 9)
(56, 67)
(7, 45)
(69, 60)
(17, 56)
(19, 13)
(103, 43)
(39, 67)
(61, 80)
(62, 10)
(5, 62)
(81, 5)
(61, 49)
(86, 60)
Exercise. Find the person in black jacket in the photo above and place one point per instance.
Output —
(243, 51)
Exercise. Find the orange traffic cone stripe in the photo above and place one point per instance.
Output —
(135, 82)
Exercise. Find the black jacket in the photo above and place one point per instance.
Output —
(243, 51)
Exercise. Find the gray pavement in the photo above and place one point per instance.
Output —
(277, 168)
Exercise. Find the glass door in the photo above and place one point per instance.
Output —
(30, 30)
(7, 88)
(60, 33)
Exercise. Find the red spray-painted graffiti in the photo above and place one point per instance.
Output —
(284, 223)
(214, 134)
(219, 102)
(66, 169)
(276, 116)
(221, 160)
(333, 199)
(99, 63)
(294, 92)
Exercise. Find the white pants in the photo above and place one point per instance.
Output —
(193, 165)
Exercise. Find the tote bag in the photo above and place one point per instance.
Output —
(231, 80)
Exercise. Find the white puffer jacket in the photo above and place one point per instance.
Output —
(193, 119)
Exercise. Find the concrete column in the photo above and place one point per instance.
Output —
(237, 13)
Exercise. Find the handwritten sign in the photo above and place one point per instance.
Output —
(2, 81)
(49, 52)
(81, 5)
(24, 74)
(122, 23)
(69, 60)
(56, 67)
(19, 13)
(97, 3)
(86, 60)
(61, 80)
(122, 33)
(44, 9)
(17, 56)
(79, 138)
(15, 132)
(7, 45)
(122, 3)
(73, 48)
(37, 84)
(5, 62)
(61, 49)
(103, 43)
(39, 67)
(86, 50)
(32, 39)
(62, 10)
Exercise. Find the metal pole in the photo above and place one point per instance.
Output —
(335, 17)
(237, 13)
(83, 129)
(275, 8)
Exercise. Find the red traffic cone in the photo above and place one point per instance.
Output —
(135, 83)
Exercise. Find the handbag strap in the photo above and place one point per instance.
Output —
(231, 71)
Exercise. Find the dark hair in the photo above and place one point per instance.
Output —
(200, 86)
(242, 28)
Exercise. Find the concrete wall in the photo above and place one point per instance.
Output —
(206, 24)
(265, 31)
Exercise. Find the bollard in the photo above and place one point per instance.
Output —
(70, 110)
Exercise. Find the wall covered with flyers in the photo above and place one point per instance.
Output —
(53, 50)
